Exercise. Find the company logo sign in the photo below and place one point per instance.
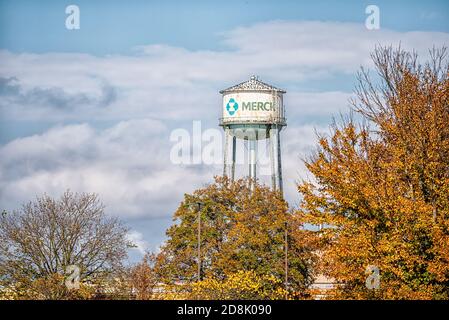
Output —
(232, 106)
(258, 106)
(266, 106)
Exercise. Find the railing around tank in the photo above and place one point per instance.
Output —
(253, 120)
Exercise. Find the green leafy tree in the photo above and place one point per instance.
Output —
(241, 230)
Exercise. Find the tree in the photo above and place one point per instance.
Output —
(144, 279)
(241, 285)
(381, 188)
(241, 230)
(44, 237)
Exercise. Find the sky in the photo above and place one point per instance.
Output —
(93, 109)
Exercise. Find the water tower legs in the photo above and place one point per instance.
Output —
(275, 158)
(279, 162)
(225, 152)
(226, 166)
(234, 150)
(252, 148)
(272, 162)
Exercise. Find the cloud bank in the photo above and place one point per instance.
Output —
(144, 96)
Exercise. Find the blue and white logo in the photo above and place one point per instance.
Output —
(232, 107)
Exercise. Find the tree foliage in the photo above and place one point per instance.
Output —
(241, 230)
(144, 279)
(241, 285)
(46, 236)
(381, 188)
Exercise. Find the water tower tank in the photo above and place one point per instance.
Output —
(253, 110)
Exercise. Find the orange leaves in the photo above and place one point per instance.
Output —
(143, 278)
(241, 230)
(383, 195)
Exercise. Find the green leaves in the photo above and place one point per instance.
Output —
(241, 230)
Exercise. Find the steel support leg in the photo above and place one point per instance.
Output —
(225, 152)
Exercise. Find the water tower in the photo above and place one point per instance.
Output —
(252, 111)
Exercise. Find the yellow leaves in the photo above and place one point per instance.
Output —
(383, 195)
(51, 287)
(241, 229)
(240, 285)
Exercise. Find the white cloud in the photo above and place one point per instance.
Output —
(174, 83)
(316, 104)
(158, 88)
(138, 240)
(127, 164)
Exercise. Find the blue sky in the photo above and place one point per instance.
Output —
(111, 26)
(93, 109)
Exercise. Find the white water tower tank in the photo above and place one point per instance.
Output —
(253, 110)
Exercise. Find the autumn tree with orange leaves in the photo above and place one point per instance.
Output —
(242, 229)
(143, 278)
(381, 186)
